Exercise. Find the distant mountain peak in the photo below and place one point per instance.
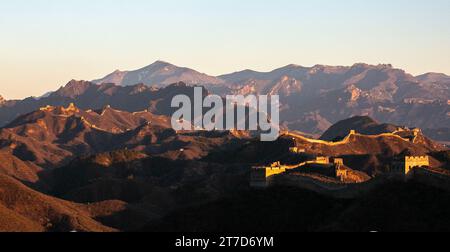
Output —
(294, 66)
(433, 74)
(2, 100)
(73, 89)
(433, 77)
(159, 64)
(160, 74)
(162, 62)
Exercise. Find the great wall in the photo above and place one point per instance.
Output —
(346, 182)
(347, 139)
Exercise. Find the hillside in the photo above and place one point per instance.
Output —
(52, 135)
(152, 186)
(26, 172)
(441, 134)
(389, 144)
(23, 209)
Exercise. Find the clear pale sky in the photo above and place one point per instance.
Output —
(45, 43)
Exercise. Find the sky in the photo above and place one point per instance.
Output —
(46, 43)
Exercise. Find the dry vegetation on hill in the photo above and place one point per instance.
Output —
(38, 212)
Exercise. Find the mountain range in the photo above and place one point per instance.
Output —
(88, 95)
(373, 82)
(53, 135)
(312, 98)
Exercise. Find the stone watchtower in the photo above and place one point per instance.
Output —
(414, 162)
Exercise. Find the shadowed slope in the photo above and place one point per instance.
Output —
(39, 212)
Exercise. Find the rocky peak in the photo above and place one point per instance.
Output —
(355, 93)
(71, 108)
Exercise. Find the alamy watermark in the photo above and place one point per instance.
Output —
(235, 112)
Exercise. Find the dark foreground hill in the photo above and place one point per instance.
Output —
(394, 207)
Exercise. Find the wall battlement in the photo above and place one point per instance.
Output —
(414, 162)
(261, 175)
(297, 150)
(417, 159)
(344, 141)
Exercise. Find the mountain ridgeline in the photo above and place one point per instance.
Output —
(312, 98)
(90, 96)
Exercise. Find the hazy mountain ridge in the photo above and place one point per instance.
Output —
(375, 83)
(312, 98)
(88, 95)
(434, 77)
